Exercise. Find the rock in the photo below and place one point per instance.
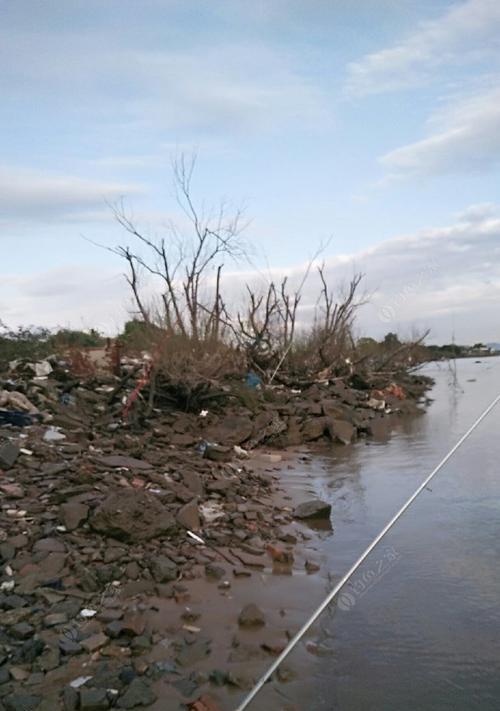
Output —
(189, 517)
(12, 491)
(139, 693)
(49, 660)
(314, 428)
(12, 602)
(4, 674)
(216, 453)
(341, 430)
(232, 430)
(133, 624)
(163, 569)
(311, 566)
(95, 642)
(313, 509)
(22, 630)
(21, 702)
(9, 452)
(49, 545)
(54, 619)
(332, 408)
(72, 514)
(251, 616)
(70, 699)
(93, 699)
(118, 460)
(193, 653)
(214, 572)
(18, 673)
(114, 629)
(132, 515)
(69, 647)
(192, 481)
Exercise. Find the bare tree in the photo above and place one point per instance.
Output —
(185, 263)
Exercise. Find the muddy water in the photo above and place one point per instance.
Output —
(420, 625)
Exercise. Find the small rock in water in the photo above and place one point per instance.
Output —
(313, 509)
(251, 616)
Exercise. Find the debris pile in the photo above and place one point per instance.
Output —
(102, 516)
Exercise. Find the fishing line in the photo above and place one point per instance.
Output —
(284, 654)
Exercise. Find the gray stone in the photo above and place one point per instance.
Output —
(251, 616)
(341, 430)
(93, 699)
(22, 630)
(163, 569)
(71, 698)
(314, 428)
(72, 514)
(95, 642)
(9, 452)
(54, 619)
(21, 702)
(313, 509)
(139, 693)
(49, 545)
(69, 647)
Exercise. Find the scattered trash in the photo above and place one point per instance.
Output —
(53, 435)
(211, 511)
(17, 401)
(79, 681)
(253, 381)
(87, 613)
(204, 413)
(198, 539)
(15, 418)
(240, 452)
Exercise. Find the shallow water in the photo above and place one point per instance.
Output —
(419, 627)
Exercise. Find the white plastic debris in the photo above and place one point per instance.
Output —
(42, 368)
(211, 511)
(240, 452)
(27, 452)
(79, 681)
(7, 586)
(195, 537)
(203, 413)
(61, 529)
(53, 435)
(8, 571)
(86, 613)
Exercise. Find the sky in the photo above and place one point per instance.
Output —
(371, 126)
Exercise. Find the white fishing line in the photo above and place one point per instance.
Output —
(284, 654)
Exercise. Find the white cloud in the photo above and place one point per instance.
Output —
(204, 85)
(467, 32)
(466, 138)
(32, 195)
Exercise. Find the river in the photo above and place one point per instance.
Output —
(419, 627)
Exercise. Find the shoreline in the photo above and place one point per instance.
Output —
(105, 529)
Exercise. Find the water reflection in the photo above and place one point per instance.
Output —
(424, 632)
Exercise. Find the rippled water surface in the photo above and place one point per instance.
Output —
(419, 627)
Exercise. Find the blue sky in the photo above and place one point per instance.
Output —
(375, 122)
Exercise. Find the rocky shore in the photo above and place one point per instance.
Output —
(130, 555)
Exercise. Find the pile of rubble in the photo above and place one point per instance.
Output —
(99, 520)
